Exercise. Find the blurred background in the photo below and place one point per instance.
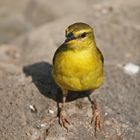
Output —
(30, 32)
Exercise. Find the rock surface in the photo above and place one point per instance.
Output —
(28, 94)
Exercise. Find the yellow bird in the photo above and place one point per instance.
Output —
(78, 66)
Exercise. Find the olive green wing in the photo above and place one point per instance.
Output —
(59, 50)
(56, 52)
(100, 54)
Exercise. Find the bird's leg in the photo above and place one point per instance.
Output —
(96, 117)
(62, 116)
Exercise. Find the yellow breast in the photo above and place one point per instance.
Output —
(78, 70)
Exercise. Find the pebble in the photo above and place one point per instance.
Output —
(106, 113)
(50, 111)
(131, 69)
(43, 125)
(32, 108)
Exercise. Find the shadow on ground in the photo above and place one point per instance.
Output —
(42, 78)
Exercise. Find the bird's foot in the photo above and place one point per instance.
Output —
(63, 120)
(96, 118)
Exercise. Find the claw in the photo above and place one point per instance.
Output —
(63, 120)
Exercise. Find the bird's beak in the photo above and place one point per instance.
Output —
(69, 39)
(66, 40)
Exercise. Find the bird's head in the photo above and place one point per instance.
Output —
(79, 36)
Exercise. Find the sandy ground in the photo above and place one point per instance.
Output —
(30, 32)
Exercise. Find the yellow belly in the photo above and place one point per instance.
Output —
(78, 71)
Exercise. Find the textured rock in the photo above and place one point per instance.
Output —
(25, 74)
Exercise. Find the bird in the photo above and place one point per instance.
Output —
(78, 65)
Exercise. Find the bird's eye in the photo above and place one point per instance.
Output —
(83, 35)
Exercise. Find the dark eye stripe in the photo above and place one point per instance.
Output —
(71, 36)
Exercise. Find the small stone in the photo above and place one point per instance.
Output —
(106, 113)
(43, 125)
(50, 111)
(33, 108)
(131, 69)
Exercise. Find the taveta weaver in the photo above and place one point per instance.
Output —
(78, 66)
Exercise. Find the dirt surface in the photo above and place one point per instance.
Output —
(30, 32)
